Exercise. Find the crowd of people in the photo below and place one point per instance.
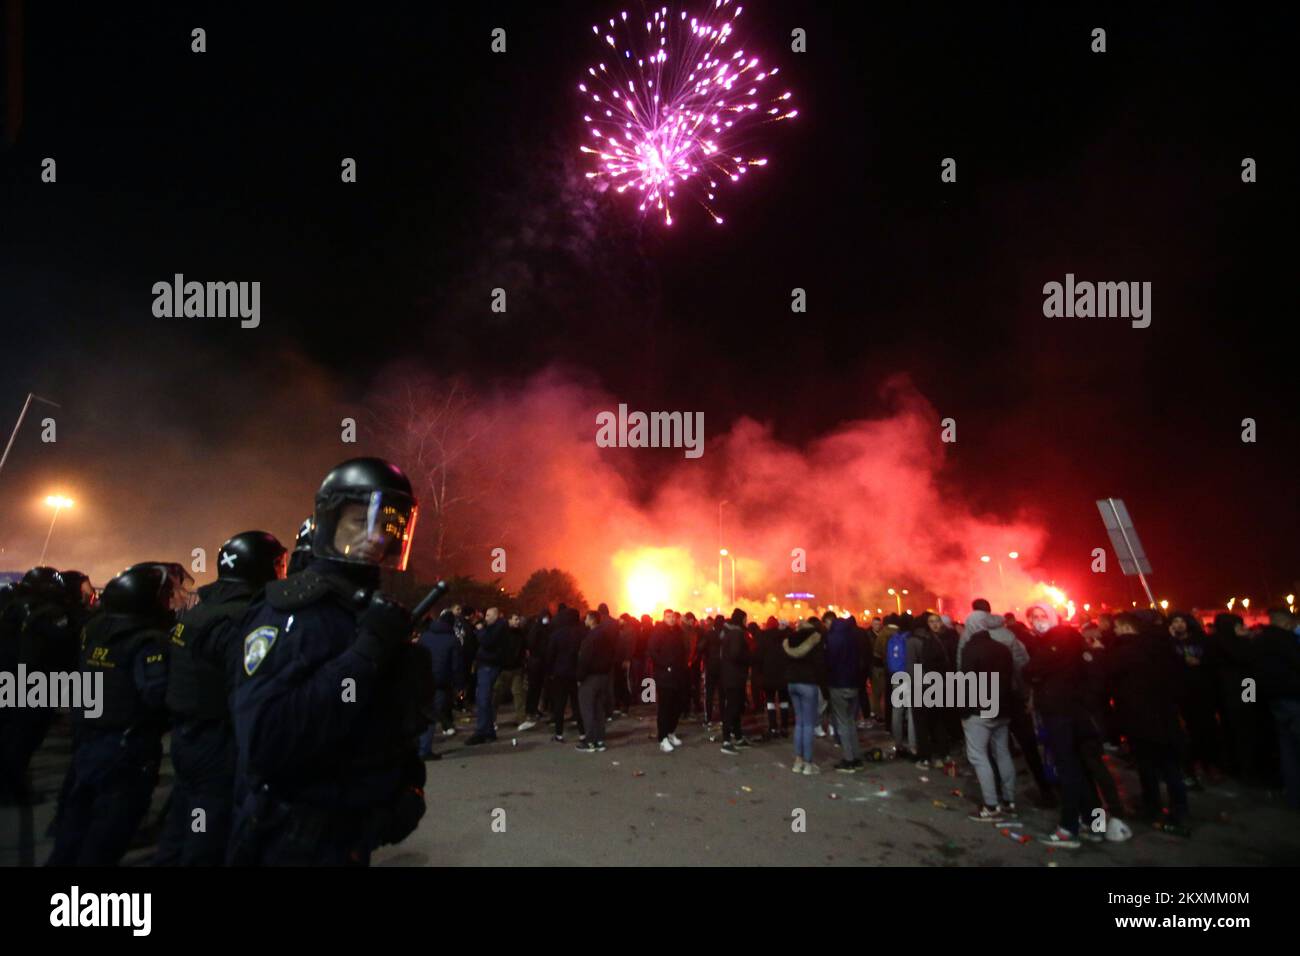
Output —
(303, 703)
(1186, 706)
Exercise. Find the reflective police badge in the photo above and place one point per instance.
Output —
(256, 646)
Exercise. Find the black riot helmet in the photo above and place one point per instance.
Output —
(365, 514)
(255, 557)
(43, 582)
(77, 589)
(301, 556)
(146, 589)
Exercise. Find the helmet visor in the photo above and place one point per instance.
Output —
(374, 528)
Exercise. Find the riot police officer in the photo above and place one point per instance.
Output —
(117, 753)
(301, 556)
(37, 632)
(332, 695)
(203, 739)
(55, 608)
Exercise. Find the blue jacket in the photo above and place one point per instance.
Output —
(439, 639)
(843, 654)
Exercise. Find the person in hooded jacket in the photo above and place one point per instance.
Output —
(882, 629)
(711, 661)
(1197, 698)
(926, 648)
(562, 668)
(1054, 673)
(1275, 663)
(735, 672)
(1144, 677)
(539, 635)
(439, 639)
(806, 672)
(987, 734)
(772, 666)
(595, 657)
(1246, 725)
(843, 672)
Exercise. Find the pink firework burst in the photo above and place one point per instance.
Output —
(674, 104)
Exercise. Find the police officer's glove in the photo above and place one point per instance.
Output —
(383, 626)
(400, 819)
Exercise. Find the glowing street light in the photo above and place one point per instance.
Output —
(985, 558)
(1245, 602)
(897, 599)
(58, 503)
(1014, 555)
(723, 553)
(1231, 602)
(1164, 605)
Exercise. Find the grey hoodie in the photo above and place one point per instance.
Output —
(995, 625)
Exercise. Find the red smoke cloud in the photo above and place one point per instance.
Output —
(867, 503)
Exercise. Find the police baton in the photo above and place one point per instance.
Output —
(426, 605)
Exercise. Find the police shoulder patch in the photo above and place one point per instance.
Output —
(257, 644)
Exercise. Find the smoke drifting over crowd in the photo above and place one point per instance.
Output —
(641, 528)
(517, 466)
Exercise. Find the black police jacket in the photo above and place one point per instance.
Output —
(129, 653)
(197, 679)
(318, 720)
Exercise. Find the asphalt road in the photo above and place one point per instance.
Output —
(540, 803)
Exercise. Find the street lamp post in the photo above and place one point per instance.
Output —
(21, 415)
(59, 503)
(722, 553)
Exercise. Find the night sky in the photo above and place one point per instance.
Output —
(1122, 166)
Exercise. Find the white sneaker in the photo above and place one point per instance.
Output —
(527, 725)
(818, 732)
(666, 746)
(810, 768)
(675, 740)
(449, 732)
(797, 767)
(1117, 831)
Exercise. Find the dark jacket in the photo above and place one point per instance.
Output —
(514, 650)
(1275, 663)
(806, 651)
(1055, 674)
(983, 655)
(669, 652)
(493, 645)
(539, 635)
(843, 655)
(597, 650)
(772, 659)
(562, 649)
(735, 656)
(711, 649)
(439, 639)
(1144, 675)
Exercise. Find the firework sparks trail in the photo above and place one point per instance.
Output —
(673, 105)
